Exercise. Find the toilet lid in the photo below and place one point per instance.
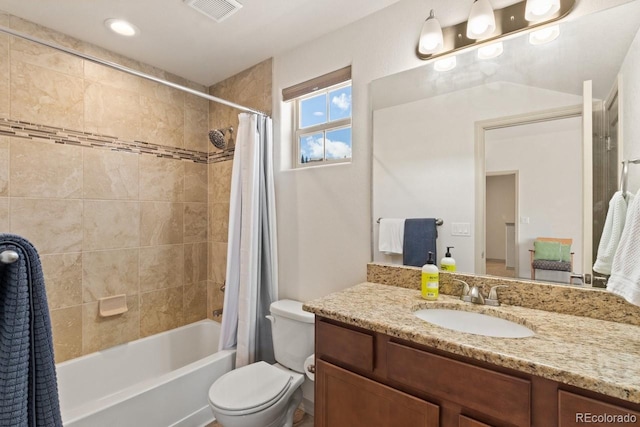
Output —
(254, 386)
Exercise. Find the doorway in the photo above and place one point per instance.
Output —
(501, 210)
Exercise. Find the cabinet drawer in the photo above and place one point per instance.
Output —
(344, 345)
(576, 410)
(470, 422)
(495, 394)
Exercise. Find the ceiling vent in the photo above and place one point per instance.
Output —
(218, 10)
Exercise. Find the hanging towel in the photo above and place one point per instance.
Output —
(28, 386)
(625, 271)
(391, 235)
(613, 226)
(420, 236)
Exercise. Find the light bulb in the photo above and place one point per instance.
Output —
(445, 64)
(482, 21)
(544, 35)
(490, 51)
(431, 40)
(538, 10)
(122, 27)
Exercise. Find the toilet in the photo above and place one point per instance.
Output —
(264, 395)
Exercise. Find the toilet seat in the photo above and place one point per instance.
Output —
(249, 389)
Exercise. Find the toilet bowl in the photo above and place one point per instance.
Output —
(264, 395)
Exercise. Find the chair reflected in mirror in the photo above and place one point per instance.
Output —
(551, 253)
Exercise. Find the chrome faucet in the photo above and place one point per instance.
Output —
(474, 295)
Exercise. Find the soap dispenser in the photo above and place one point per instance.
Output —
(430, 278)
(448, 263)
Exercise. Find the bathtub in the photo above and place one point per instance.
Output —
(158, 381)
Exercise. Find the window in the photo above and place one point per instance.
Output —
(322, 119)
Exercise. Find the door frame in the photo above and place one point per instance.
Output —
(516, 178)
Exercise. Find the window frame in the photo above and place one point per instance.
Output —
(328, 126)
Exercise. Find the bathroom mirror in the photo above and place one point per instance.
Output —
(459, 144)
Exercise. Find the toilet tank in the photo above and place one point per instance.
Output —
(292, 333)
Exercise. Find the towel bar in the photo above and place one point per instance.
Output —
(439, 221)
(8, 257)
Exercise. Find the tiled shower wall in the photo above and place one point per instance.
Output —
(251, 88)
(109, 215)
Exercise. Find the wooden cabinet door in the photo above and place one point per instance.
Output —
(470, 422)
(345, 399)
(579, 411)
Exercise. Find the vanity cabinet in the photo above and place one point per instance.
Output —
(369, 379)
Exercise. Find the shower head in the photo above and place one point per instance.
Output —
(216, 136)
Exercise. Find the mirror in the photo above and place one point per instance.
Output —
(445, 144)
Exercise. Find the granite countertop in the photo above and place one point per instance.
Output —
(597, 355)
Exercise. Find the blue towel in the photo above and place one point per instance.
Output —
(420, 236)
(28, 386)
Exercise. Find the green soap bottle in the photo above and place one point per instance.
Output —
(448, 263)
(430, 279)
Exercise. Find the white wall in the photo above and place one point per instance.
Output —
(501, 209)
(548, 158)
(424, 156)
(630, 111)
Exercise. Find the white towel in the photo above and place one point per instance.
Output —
(613, 226)
(391, 235)
(625, 272)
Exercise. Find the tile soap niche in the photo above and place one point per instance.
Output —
(112, 306)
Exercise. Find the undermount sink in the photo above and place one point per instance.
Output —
(474, 323)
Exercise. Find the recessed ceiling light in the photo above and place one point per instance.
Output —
(544, 35)
(122, 27)
(490, 51)
(445, 64)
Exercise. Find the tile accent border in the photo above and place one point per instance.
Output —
(43, 133)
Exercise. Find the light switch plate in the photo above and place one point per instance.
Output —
(460, 229)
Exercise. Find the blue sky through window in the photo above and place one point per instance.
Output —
(340, 105)
(313, 111)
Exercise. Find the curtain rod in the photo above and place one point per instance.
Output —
(130, 71)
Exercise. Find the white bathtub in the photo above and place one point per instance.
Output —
(158, 381)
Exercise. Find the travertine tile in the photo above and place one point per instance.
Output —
(109, 273)
(161, 267)
(194, 102)
(63, 279)
(110, 174)
(66, 328)
(160, 311)
(36, 30)
(53, 226)
(161, 179)
(4, 75)
(220, 181)
(104, 75)
(196, 130)
(162, 123)
(4, 214)
(41, 169)
(195, 222)
(195, 263)
(195, 182)
(99, 333)
(217, 262)
(46, 57)
(41, 95)
(161, 223)
(165, 94)
(4, 166)
(218, 222)
(112, 111)
(111, 224)
(195, 302)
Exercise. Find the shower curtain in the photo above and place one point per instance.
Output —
(251, 279)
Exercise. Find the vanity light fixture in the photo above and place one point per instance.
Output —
(486, 25)
(431, 40)
(545, 35)
(122, 27)
(490, 51)
(538, 10)
(482, 20)
(445, 64)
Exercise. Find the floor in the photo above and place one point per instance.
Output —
(498, 268)
(300, 419)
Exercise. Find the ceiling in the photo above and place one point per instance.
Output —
(178, 39)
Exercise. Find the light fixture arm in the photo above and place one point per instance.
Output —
(509, 20)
